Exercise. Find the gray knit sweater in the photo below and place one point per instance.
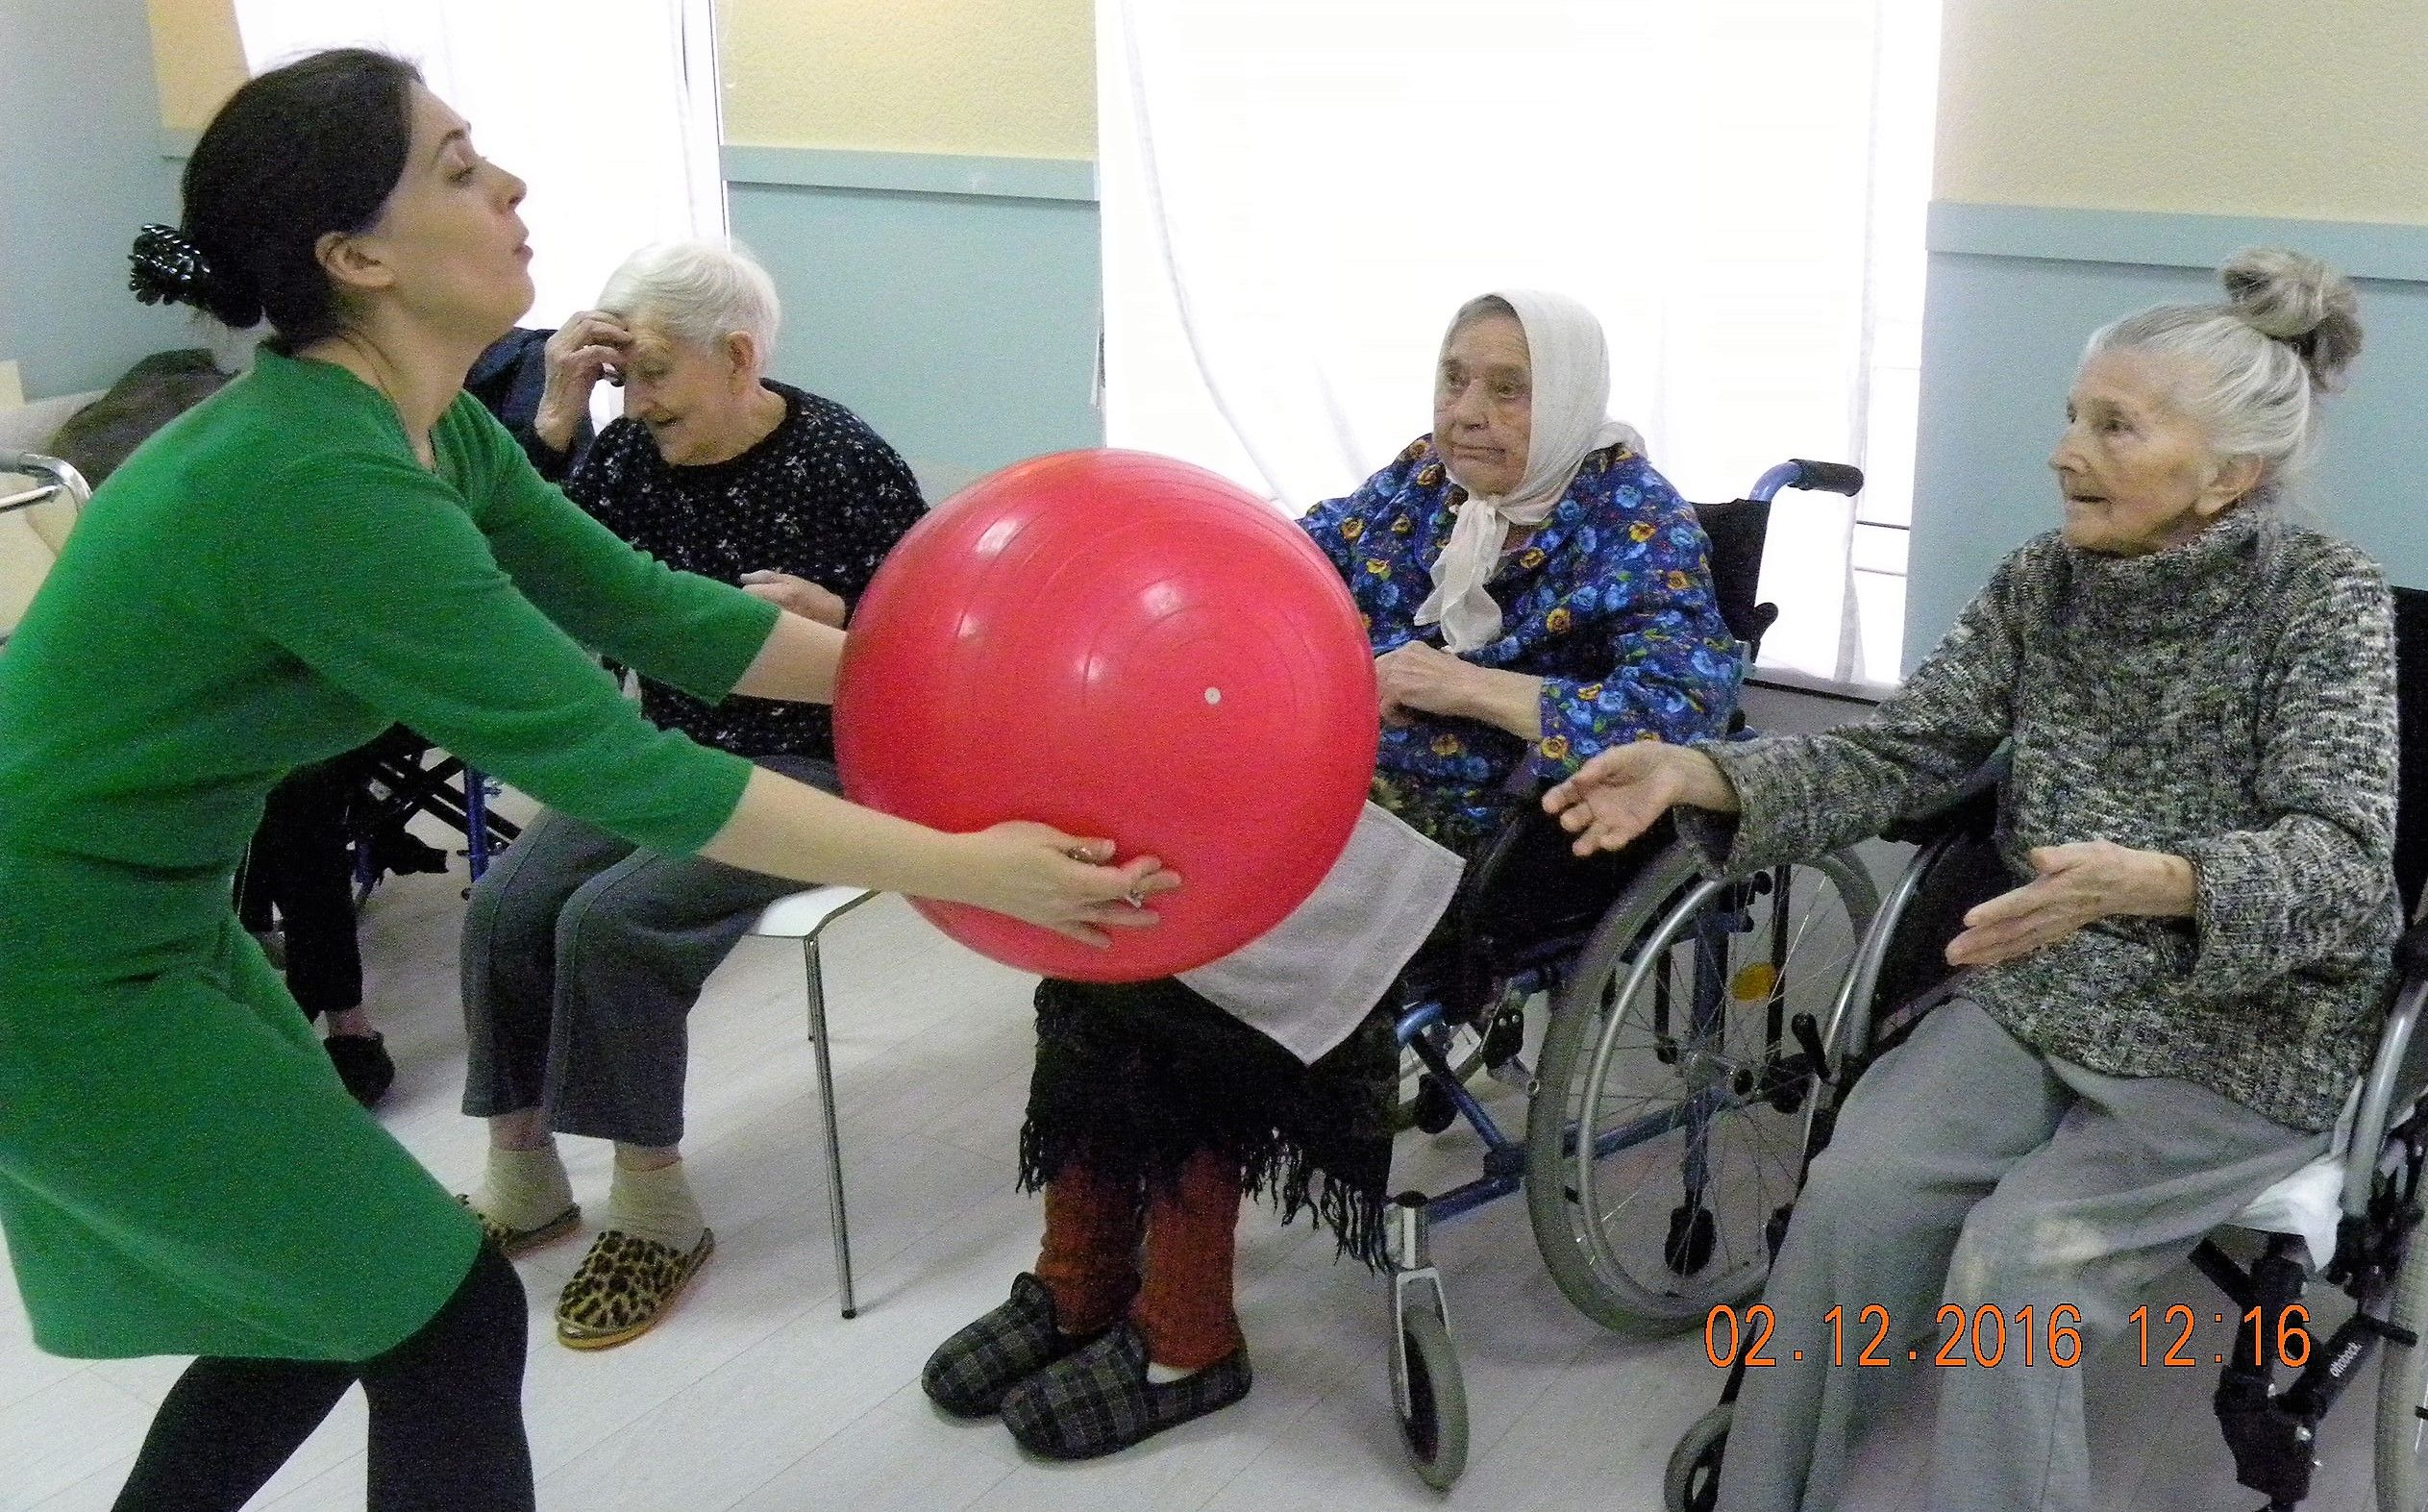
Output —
(2230, 699)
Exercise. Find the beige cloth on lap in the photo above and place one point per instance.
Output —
(1311, 978)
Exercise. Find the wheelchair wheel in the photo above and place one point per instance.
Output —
(1668, 1121)
(1434, 1426)
(1692, 1482)
(2402, 1391)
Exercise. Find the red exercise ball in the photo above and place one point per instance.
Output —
(1117, 645)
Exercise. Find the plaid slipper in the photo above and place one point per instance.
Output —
(511, 1242)
(1100, 1400)
(623, 1286)
(968, 1372)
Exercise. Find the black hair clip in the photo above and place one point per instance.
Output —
(165, 268)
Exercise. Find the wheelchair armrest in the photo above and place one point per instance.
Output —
(2411, 952)
(1973, 810)
(2385, 1081)
(1525, 888)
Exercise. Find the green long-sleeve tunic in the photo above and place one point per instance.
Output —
(272, 580)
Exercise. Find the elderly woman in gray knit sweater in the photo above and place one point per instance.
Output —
(2167, 1013)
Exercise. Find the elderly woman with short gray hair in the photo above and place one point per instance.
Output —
(583, 953)
(2169, 1013)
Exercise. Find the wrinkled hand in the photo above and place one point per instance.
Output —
(579, 355)
(798, 595)
(1036, 873)
(2076, 885)
(1422, 678)
(1623, 792)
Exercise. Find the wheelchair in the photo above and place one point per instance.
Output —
(2347, 1219)
(404, 774)
(374, 791)
(1665, 1120)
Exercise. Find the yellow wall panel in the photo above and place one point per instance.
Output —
(2283, 107)
(197, 57)
(2312, 110)
(985, 78)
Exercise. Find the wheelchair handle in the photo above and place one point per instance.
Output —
(64, 478)
(1814, 476)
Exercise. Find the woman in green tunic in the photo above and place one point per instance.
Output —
(336, 542)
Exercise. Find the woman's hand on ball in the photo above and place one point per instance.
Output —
(1037, 874)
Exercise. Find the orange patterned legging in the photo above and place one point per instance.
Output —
(1179, 1296)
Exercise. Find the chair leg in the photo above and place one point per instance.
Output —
(476, 828)
(816, 977)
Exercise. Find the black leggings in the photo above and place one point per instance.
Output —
(446, 1416)
(300, 863)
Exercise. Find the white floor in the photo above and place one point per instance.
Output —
(757, 1394)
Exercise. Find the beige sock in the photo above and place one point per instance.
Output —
(524, 1189)
(656, 1205)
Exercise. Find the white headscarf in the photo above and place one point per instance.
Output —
(1570, 370)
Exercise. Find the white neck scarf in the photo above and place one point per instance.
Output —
(1570, 369)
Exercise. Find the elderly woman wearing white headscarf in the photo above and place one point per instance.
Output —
(1534, 592)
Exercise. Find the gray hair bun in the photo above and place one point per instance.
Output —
(2301, 301)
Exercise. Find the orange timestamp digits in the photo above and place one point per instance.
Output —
(1988, 1337)
(2291, 1331)
(1985, 1336)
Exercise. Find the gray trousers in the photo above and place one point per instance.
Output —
(583, 955)
(1967, 1168)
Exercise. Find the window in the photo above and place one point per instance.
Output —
(1297, 193)
(607, 109)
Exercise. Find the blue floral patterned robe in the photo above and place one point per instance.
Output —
(1610, 604)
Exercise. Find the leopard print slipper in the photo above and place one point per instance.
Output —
(511, 1242)
(623, 1287)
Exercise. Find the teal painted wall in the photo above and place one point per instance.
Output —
(2015, 292)
(962, 326)
(81, 168)
(951, 302)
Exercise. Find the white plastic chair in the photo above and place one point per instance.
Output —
(804, 916)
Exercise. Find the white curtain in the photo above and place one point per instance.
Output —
(606, 108)
(1297, 193)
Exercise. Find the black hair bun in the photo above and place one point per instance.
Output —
(164, 268)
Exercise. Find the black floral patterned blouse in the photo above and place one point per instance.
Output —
(822, 498)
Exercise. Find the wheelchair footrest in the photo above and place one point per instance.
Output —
(1504, 1035)
(2275, 1449)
